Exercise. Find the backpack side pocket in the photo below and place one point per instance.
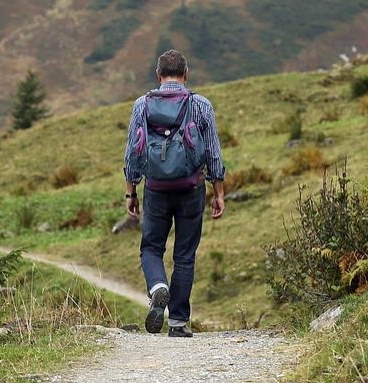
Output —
(194, 143)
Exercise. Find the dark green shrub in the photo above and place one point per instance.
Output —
(120, 4)
(359, 86)
(327, 255)
(295, 125)
(130, 4)
(292, 124)
(99, 4)
(25, 216)
(112, 38)
(217, 273)
(214, 290)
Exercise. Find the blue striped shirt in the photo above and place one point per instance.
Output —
(202, 114)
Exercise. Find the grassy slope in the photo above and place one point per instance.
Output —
(92, 142)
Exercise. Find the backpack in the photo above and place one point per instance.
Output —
(169, 148)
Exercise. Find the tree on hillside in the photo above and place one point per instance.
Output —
(27, 104)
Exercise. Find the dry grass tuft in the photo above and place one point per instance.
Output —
(304, 160)
(66, 175)
(364, 105)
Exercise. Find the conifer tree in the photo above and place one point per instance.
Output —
(27, 104)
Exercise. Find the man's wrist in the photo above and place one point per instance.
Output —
(131, 195)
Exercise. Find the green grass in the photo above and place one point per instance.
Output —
(22, 359)
(339, 355)
(42, 315)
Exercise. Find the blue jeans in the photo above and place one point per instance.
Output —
(160, 209)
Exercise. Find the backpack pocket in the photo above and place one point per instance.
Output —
(167, 160)
(195, 145)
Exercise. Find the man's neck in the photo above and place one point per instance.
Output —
(180, 80)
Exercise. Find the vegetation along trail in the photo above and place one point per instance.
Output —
(91, 275)
(227, 356)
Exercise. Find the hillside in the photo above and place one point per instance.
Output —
(98, 52)
(252, 116)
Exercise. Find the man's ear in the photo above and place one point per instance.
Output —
(158, 76)
(186, 75)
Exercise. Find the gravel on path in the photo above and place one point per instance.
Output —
(231, 356)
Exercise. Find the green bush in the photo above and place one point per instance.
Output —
(291, 123)
(25, 216)
(99, 4)
(120, 4)
(130, 4)
(327, 256)
(359, 86)
(295, 124)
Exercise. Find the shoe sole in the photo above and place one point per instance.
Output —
(180, 335)
(155, 316)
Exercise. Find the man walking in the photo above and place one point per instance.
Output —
(184, 206)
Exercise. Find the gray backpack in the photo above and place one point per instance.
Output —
(169, 149)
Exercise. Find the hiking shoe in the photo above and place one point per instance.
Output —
(182, 331)
(155, 316)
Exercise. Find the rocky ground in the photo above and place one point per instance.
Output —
(231, 356)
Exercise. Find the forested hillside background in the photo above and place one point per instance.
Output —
(97, 52)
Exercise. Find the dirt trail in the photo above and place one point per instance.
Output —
(92, 276)
(228, 356)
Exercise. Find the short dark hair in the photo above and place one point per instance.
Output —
(171, 64)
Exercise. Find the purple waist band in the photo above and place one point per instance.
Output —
(178, 184)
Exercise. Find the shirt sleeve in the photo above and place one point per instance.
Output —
(135, 123)
(214, 163)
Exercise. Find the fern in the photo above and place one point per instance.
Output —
(9, 264)
(359, 269)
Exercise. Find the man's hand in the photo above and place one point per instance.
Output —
(132, 206)
(218, 204)
(218, 207)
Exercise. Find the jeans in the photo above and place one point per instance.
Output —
(160, 210)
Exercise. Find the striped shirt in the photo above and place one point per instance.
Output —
(202, 114)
